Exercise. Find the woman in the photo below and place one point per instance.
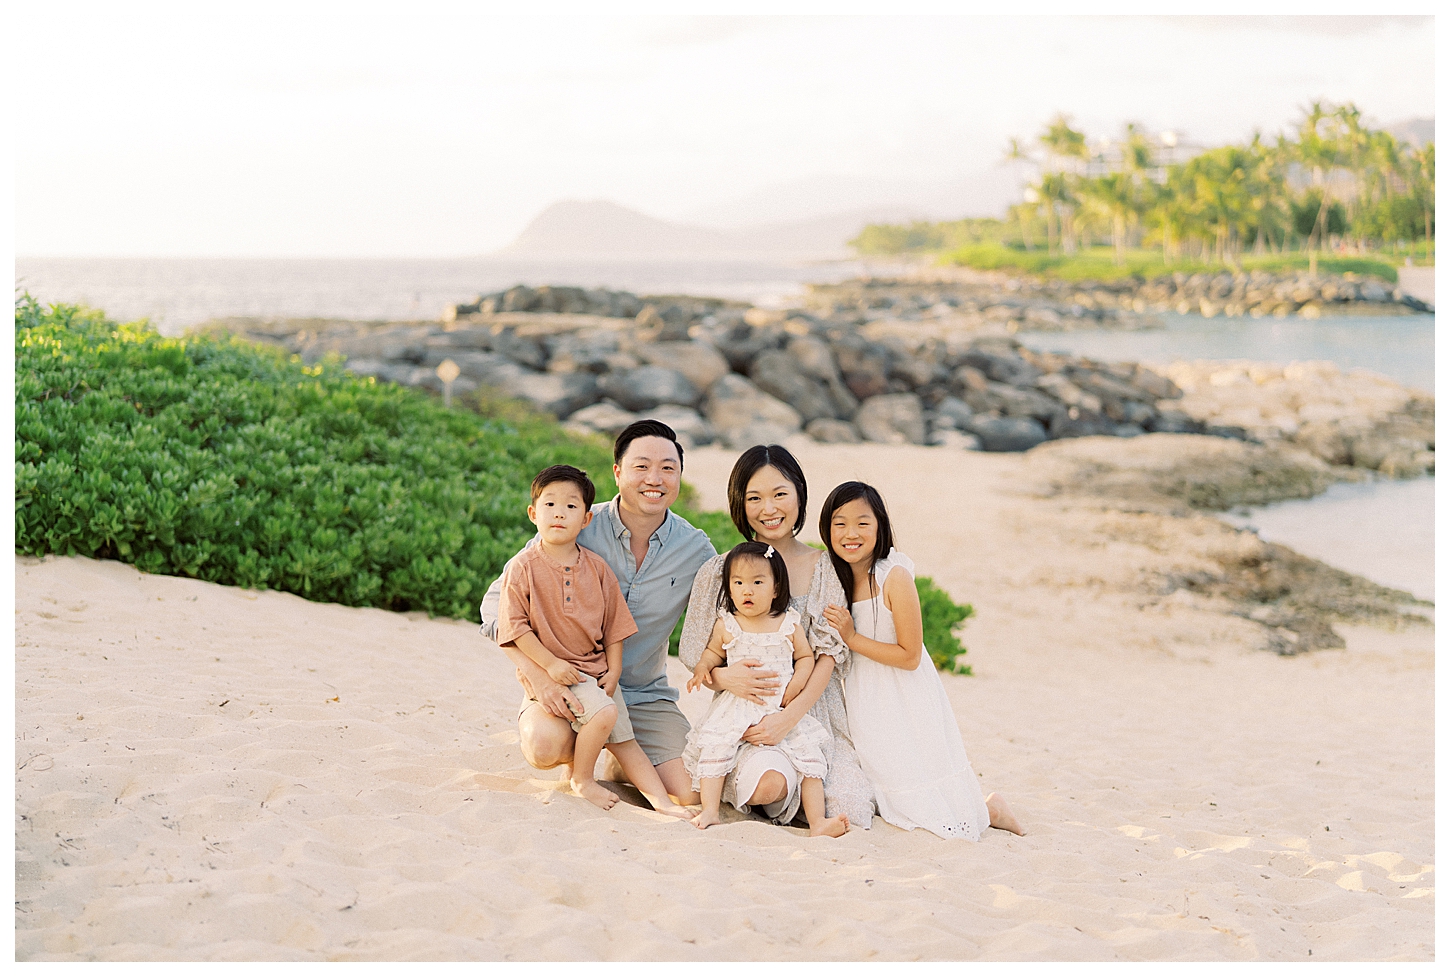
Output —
(768, 503)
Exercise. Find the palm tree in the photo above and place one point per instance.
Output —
(1423, 175)
(1015, 156)
(1067, 153)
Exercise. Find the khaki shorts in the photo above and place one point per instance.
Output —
(593, 699)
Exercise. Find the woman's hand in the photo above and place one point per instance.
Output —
(770, 730)
(747, 680)
(840, 619)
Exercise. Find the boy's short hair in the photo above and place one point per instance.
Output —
(647, 428)
(562, 473)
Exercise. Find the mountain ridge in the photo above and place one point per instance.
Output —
(601, 228)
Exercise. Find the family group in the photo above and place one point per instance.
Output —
(826, 704)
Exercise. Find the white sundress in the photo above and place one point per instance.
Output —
(713, 746)
(906, 734)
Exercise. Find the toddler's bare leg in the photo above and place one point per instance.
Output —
(813, 801)
(587, 744)
(644, 776)
(710, 790)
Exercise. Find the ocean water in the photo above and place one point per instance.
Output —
(1400, 347)
(1382, 530)
(177, 293)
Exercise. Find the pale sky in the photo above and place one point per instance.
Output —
(331, 130)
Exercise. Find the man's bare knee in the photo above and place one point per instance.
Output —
(546, 741)
(771, 789)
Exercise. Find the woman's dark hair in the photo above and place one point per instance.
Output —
(647, 428)
(781, 603)
(753, 460)
(840, 495)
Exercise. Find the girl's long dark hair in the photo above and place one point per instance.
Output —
(752, 460)
(781, 602)
(840, 495)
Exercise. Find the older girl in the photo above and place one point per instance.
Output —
(901, 721)
(768, 503)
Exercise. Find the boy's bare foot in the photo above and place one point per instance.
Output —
(1001, 815)
(831, 827)
(704, 819)
(594, 794)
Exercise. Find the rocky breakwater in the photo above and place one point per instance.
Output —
(724, 372)
(1351, 420)
(995, 302)
(1260, 293)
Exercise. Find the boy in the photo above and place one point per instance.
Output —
(561, 606)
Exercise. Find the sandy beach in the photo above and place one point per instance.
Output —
(207, 773)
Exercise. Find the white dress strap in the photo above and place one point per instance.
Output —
(732, 629)
(895, 558)
(789, 620)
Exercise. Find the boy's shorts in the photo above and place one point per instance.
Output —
(592, 698)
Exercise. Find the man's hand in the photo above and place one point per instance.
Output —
(557, 700)
(562, 672)
(610, 682)
(747, 680)
(526, 682)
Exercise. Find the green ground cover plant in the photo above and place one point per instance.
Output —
(940, 618)
(237, 464)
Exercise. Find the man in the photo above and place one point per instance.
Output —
(654, 554)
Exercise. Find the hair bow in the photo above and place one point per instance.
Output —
(769, 551)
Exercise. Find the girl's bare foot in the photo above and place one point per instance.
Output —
(594, 794)
(704, 819)
(1001, 815)
(831, 827)
(675, 811)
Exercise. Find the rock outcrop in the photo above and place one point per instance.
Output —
(723, 371)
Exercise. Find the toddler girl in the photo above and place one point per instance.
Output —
(756, 622)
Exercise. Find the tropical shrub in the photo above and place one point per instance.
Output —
(237, 464)
(940, 618)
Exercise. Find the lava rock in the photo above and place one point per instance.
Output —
(777, 373)
(743, 415)
(700, 363)
(649, 386)
(892, 419)
(1008, 433)
(828, 430)
(560, 394)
